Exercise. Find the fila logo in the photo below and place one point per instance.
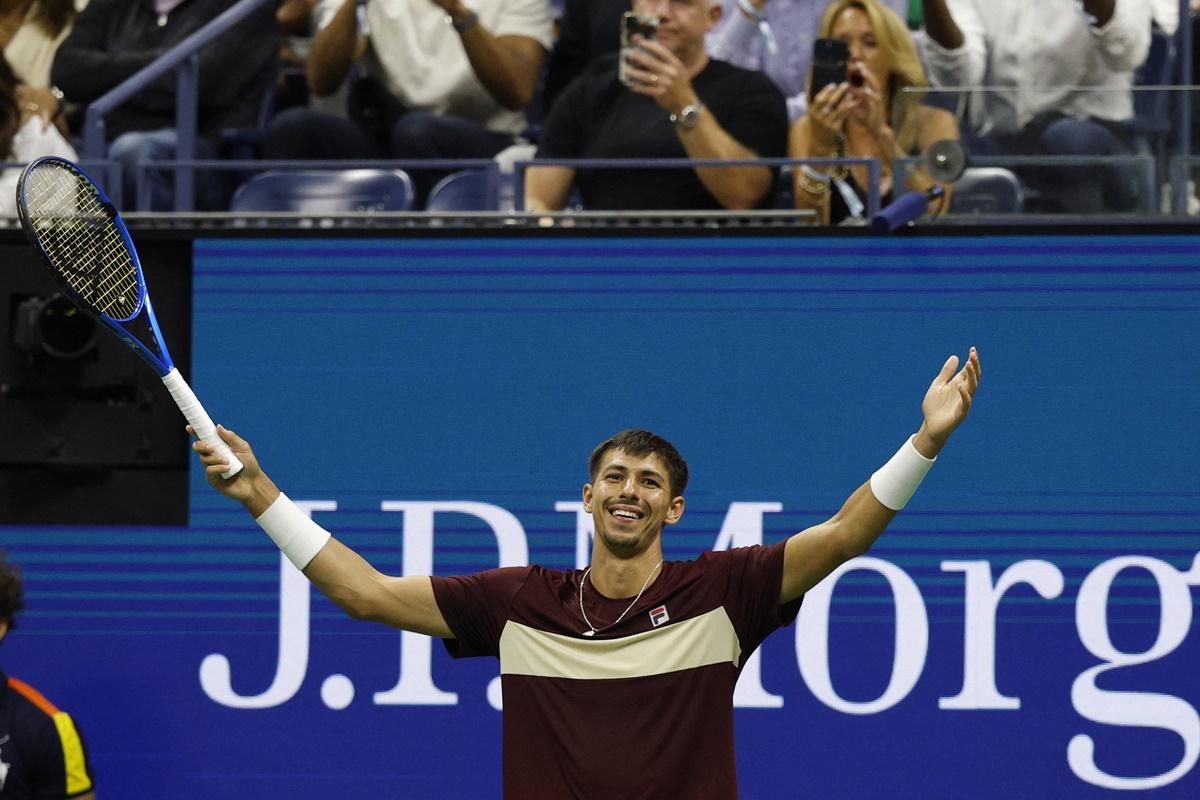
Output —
(659, 615)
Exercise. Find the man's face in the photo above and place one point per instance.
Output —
(630, 501)
(682, 23)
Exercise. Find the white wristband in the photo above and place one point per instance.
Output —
(293, 531)
(895, 482)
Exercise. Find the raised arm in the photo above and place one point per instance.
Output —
(507, 66)
(341, 574)
(957, 51)
(815, 552)
(335, 48)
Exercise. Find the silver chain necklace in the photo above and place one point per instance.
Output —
(592, 629)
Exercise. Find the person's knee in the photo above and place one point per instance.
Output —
(290, 134)
(417, 135)
(1078, 137)
(134, 147)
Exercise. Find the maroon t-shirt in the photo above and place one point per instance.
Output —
(644, 709)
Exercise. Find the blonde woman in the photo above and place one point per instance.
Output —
(868, 115)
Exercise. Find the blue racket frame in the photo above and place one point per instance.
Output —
(161, 361)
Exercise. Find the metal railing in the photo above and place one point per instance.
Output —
(184, 60)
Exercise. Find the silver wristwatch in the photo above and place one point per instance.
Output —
(688, 116)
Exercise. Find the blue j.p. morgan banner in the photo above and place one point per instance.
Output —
(1026, 628)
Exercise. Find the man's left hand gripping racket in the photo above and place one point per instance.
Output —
(82, 240)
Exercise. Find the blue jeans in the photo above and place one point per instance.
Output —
(133, 148)
(1069, 189)
(305, 133)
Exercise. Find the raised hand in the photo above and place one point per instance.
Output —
(659, 74)
(251, 487)
(871, 109)
(827, 114)
(947, 402)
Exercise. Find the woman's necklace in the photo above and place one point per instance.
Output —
(592, 629)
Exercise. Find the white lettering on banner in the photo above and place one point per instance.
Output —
(415, 686)
(743, 527)
(912, 638)
(979, 628)
(1132, 709)
(294, 601)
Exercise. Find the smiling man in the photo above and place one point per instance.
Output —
(618, 679)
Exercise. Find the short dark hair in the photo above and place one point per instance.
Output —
(10, 592)
(642, 443)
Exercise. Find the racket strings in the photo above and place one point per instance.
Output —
(78, 233)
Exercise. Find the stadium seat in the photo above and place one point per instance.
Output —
(465, 190)
(987, 190)
(1152, 122)
(326, 191)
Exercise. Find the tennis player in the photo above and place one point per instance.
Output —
(618, 679)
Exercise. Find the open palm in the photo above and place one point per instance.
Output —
(949, 397)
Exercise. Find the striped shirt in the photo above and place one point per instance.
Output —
(644, 709)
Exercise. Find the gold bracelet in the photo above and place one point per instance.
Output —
(819, 188)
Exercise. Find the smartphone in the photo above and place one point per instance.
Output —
(830, 57)
(633, 23)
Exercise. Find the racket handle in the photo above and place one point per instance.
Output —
(198, 418)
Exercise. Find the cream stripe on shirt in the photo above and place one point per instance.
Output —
(697, 642)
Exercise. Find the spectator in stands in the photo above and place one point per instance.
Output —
(443, 81)
(25, 135)
(30, 33)
(114, 39)
(678, 103)
(1068, 66)
(41, 752)
(776, 36)
(772, 36)
(866, 116)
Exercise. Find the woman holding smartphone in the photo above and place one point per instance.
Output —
(865, 115)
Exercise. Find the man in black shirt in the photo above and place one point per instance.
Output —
(41, 753)
(676, 103)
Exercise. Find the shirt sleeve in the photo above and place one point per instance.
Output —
(758, 119)
(531, 18)
(965, 65)
(62, 768)
(563, 132)
(736, 38)
(475, 608)
(325, 11)
(1124, 41)
(751, 578)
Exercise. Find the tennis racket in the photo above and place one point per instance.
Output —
(81, 239)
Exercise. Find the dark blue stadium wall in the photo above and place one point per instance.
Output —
(1027, 628)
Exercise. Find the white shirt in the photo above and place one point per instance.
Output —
(32, 141)
(419, 56)
(1043, 55)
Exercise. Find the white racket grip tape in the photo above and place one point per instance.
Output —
(293, 531)
(198, 418)
(896, 482)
